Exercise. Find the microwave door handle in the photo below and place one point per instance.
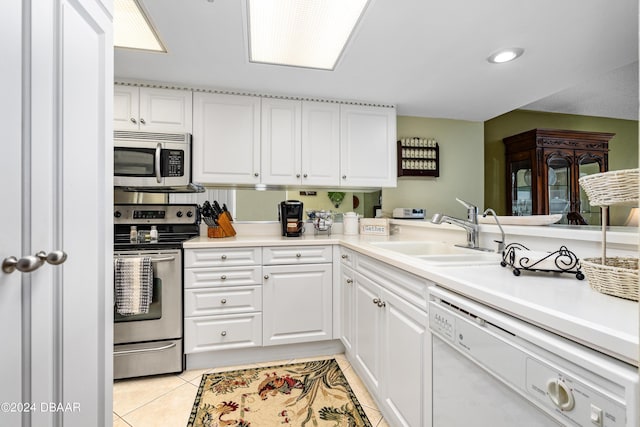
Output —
(158, 160)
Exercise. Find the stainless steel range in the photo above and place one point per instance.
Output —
(151, 343)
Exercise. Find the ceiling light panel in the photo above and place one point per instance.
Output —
(132, 29)
(301, 33)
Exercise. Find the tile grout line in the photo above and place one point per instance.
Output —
(157, 397)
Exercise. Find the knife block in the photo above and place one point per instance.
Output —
(223, 229)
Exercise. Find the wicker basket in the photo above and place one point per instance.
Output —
(612, 188)
(618, 277)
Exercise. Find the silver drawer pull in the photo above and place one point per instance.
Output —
(376, 301)
(223, 301)
(298, 255)
(382, 304)
(349, 281)
(345, 256)
(223, 257)
(223, 277)
(223, 333)
(266, 276)
(144, 350)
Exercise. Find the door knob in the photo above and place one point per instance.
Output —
(31, 263)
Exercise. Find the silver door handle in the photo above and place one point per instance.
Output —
(31, 263)
(158, 160)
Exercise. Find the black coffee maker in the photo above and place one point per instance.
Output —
(290, 214)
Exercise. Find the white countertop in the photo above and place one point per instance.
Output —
(554, 301)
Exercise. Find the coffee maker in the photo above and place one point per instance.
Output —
(290, 214)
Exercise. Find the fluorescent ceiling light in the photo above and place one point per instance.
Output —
(132, 29)
(301, 33)
(505, 55)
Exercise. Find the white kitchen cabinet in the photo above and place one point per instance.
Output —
(226, 139)
(281, 160)
(320, 143)
(297, 303)
(222, 299)
(391, 342)
(152, 109)
(347, 297)
(368, 146)
(300, 142)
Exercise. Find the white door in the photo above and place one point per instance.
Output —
(406, 362)
(368, 331)
(368, 146)
(57, 167)
(226, 139)
(281, 136)
(297, 301)
(320, 143)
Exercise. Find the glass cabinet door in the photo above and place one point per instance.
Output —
(559, 186)
(588, 165)
(521, 187)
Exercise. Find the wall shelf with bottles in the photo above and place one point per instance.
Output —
(418, 157)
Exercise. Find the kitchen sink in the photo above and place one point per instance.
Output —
(441, 254)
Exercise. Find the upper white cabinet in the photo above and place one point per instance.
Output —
(152, 109)
(368, 146)
(320, 143)
(226, 139)
(300, 142)
(281, 141)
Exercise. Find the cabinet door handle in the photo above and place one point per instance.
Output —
(297, 175)
(298, 255)
(345, 256)
(142, 121)
(376, 301)
(223, 257)
(223, 333)
(382, 304)
(305, 175)
(223, 301)
(223, 277)
(32, 262)
(344, 176)
(134, 121)
(266, 276)
(349, 281)
(256, 174)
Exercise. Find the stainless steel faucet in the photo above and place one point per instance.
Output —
(499, 242)
(470, 225)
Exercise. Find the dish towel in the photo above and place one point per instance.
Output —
(133, 282)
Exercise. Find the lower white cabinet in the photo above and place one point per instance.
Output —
(391, 345)
(347, 313)
(297, 303)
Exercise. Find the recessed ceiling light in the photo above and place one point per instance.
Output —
(301, 33)
(132, 29)
(505, 55)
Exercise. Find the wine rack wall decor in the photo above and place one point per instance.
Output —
(418, 157)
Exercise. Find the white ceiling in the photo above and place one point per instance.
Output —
(427, 57)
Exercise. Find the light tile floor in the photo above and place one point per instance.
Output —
(166, 400)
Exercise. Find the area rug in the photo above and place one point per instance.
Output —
(301, 394)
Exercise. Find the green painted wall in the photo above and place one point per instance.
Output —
(623, 148)
(461, 168)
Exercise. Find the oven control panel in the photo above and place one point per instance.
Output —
(155, 214)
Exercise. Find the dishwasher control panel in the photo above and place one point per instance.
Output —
(571, 398)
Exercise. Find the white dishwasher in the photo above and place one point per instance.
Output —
(491, 369)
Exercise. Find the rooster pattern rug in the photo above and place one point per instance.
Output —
(302, 394)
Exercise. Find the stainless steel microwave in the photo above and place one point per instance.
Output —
(146, 161)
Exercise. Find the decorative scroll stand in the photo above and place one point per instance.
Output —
(563, 260)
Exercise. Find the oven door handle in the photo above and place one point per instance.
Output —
(158, 160)
(160, 259)
(144, 350)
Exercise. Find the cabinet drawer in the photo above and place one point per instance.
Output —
(220, 257)
(222, 332)
(347, 257)
(223, 300)
(222, 276)
(297, 254)
(412, 288)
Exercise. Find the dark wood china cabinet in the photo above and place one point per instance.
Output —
(543, 168)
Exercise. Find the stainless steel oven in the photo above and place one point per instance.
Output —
(151, 343)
